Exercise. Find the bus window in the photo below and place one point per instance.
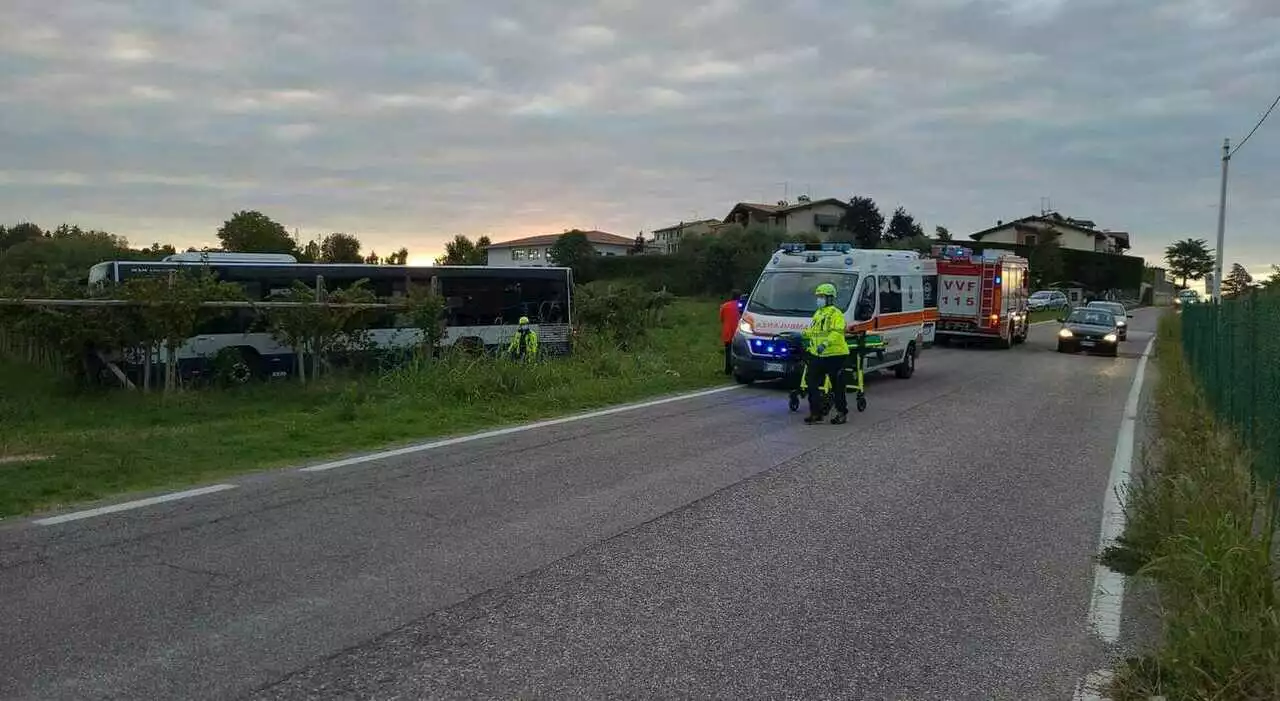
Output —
(230, 321)
(542, 300)
(473, 301)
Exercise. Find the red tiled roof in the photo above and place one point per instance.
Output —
(596, 237)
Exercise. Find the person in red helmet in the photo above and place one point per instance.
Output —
(730, 314)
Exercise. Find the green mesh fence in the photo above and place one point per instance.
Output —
(1234, 350)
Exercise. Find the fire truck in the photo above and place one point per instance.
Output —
(981, 296)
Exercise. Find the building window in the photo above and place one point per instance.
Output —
(517, 254)
(1029, 239)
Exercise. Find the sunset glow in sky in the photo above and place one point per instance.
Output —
(408, 122)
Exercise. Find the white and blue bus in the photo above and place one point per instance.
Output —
(483, 304)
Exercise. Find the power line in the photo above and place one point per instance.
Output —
(1255, 127)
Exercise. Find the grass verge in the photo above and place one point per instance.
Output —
(1046, 315)
(1202, 530)
(59, 447)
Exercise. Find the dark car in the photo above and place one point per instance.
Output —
(1122, 315)
(1089, 330)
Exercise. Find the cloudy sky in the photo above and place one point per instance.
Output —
(406, 122)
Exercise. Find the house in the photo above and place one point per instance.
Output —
(534, 251)
(1077, 234)
(803, 216)
(667, 239)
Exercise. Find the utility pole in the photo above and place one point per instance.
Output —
(1216, 292)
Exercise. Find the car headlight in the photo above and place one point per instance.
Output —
(1110, 338)
(1121, 324)
(745, 326)
(1065, 333)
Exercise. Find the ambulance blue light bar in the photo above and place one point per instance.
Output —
(827, 247)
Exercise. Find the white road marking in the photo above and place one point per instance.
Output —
(1091, 688)
(103, 510)
(421, 447)
(1108, 585)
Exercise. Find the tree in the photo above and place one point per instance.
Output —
(902, 226)
(941, 233)
(19, 233)
(1272, 283)
(59, 261)
(315, 330)
(310, 253)
(174, 312)
(340, 248)
(574, 250)
(255, 232)
(157, 251)
(862, 224)
(1189, 259)
(1236, 282)
(400, 257)
(461, 251)
(1044, 262)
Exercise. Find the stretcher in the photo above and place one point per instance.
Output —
(861, 345)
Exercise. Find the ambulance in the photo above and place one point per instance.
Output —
(890, 293)
(983, 296)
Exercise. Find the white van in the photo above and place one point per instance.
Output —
(890, 293)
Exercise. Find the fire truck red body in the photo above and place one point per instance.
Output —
(981, 295)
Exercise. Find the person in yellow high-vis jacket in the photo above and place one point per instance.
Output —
(524, 345)
(828, 353)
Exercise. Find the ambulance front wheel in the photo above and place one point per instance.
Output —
(861, 403)
(907, 367)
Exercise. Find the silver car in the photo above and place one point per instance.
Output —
(1047, 299)
(1122, 315)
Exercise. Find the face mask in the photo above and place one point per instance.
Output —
(524, 328)
(822, 302)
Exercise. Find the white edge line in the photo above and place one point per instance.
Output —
(1090, 689)
(137, 504)
(1107, 602)
(421, 447)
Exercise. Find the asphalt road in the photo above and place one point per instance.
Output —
(937, 546)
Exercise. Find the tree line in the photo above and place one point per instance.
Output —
(1193, 259)
(732, 258)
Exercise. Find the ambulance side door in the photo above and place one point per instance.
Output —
(896, 334)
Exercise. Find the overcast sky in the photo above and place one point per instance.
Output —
(407, 122)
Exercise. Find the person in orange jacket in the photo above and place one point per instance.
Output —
(730, 314)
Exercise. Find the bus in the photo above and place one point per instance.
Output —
(483, 304)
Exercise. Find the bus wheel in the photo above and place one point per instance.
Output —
(245, 368)
(907, 367)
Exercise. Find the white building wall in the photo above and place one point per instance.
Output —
(1067, 238)
(802, 221)
(540, 256)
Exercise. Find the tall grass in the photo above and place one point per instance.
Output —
(1202, 529)
(95, 444)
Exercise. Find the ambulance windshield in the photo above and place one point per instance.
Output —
(791, 292)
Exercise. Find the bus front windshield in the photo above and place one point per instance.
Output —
(791, 292)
